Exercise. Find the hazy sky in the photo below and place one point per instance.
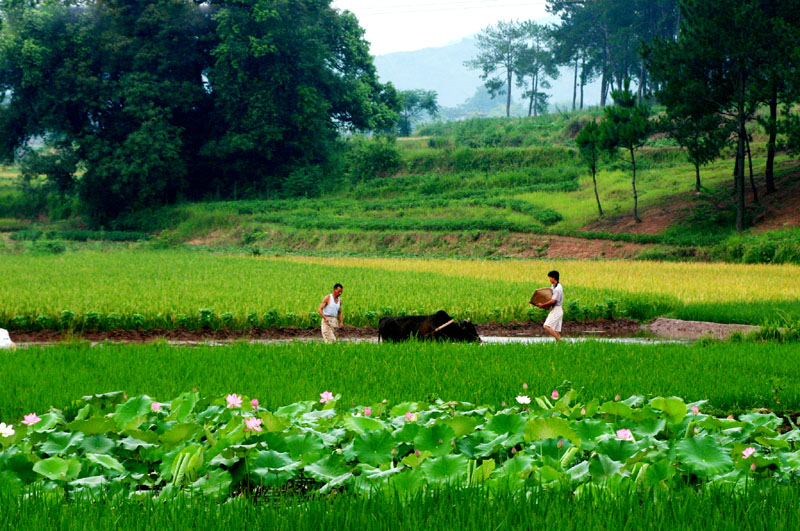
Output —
(406, 25)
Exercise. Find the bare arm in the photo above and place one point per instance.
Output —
(341, 318)
(322, 306)
(548, 304)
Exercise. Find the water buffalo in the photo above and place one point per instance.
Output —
(439, 326)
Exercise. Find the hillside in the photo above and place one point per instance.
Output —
(442, 69)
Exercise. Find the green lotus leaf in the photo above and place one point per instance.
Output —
(462, 425)
(363, 424)
(407, 483)
(648, 427)
(106, 461)
(772, 442)
(445, 469)
(618, 409)
(92, 482)
(374, 448)
(589, 430)
(617, 450)
(494, 445)
(93, 426)
(768, 420)
(602, 467)
(49, 421)
(182, 406)
(520, 465)
(61, 442)
(216, 483)
(327, 468)
(179, 433)
(186, 464)
(579, 472)
(306, 447)
(481, 474)
(272, 469)
(438, 439)
(295, 410)
(58, 469)
(704, 456)
(407, 433)
(133, 412)
(540, 429)
(131, 443)
(548, 474)
(673, 408)
(403, 408)
(413, 460)
(500, 424)
(97, 444)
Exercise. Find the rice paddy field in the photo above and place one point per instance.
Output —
(179, 288)
(392, 436)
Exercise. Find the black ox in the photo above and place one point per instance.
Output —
(438, 327)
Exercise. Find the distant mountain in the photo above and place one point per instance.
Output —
(442, 69)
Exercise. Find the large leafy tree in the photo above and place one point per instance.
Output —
(161, 99)
(414, 104)
(626, 126)
(499, 49)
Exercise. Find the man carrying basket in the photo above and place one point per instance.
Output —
(553, 322)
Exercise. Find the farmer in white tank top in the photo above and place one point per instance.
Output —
(331, 312)
(553, 322)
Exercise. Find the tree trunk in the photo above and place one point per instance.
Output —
(536, 95)
(773, 132)
(508, 95)
(739, 179)
(603, 89)
(575, 85)
(596, 195)
(752, 181)
(697, 175)
(583, 77)
(635, 195)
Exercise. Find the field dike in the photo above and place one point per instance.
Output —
(496, 332)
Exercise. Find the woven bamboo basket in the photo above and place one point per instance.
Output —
(542, 295)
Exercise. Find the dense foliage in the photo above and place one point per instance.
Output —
(152, 101)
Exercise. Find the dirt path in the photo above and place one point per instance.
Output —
(678, 329)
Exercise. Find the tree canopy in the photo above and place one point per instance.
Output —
(154, 100)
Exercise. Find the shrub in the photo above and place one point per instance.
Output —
(370, 158)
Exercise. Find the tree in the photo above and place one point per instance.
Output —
(589, 142)
(723, 47)
(703, 136)
(164, 99)
(626, 126)
(499, 48)
(414, 103)
(536, 61)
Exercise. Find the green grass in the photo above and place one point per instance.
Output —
(733, 377)
(474, 509)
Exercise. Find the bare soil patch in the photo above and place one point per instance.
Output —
(678, 329)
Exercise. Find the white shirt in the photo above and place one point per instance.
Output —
(332, 308)
(558, 294)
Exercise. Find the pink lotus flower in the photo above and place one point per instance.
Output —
(747, 452)
(416, 452)
(513, 449)
(625, 435)
(254, 403)
(554, 394)
(367, 412)
(155, 407)
(616, 398)
(560, 443)
(411, 417)
(695, 410)
(753, 467)
(6, 430)
(31, 419)
(233, 400)
(524, 386)
(325, 397)
(453, 442)
(503, 403)
(252, 424)
(394, 451)
(523, 399)
(583, 411)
